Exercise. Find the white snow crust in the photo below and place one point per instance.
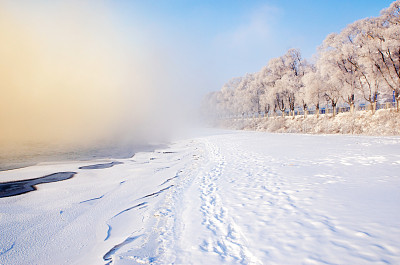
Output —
(231, 197)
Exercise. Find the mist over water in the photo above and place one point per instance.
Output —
(72, 79)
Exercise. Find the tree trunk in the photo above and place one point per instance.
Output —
(305, 110)
(352, 107)
(334, 109)
(350, 100)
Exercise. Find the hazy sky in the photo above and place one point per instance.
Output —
(210, 42)
(79, 69)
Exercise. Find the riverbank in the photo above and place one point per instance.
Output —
(383, 122)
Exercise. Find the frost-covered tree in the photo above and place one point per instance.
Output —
(332, 89)
(261, 83)
(384, 35)
(244, 98)
(379, 49)
(291, 80)
(302, 93)
(226, 97)
(313, 88)
(368, 79)
(301, 97)
(276, 67)
(339, 51)
(285, 73)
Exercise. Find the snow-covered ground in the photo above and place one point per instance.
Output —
(383, 122)
(230, 197)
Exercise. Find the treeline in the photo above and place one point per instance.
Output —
(361, 64)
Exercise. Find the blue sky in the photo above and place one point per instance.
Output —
(209, 42)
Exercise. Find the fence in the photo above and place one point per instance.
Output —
(299, 111)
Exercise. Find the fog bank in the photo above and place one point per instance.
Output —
(69, 76)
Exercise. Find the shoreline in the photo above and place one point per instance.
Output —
(382, 123)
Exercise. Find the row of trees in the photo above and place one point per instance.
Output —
(359, 64)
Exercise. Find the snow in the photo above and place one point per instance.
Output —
(229, 197)
(383, 122)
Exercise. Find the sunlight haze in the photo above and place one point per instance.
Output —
(89, 69)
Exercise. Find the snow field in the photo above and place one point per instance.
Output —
(227, 198)
(292, 201)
